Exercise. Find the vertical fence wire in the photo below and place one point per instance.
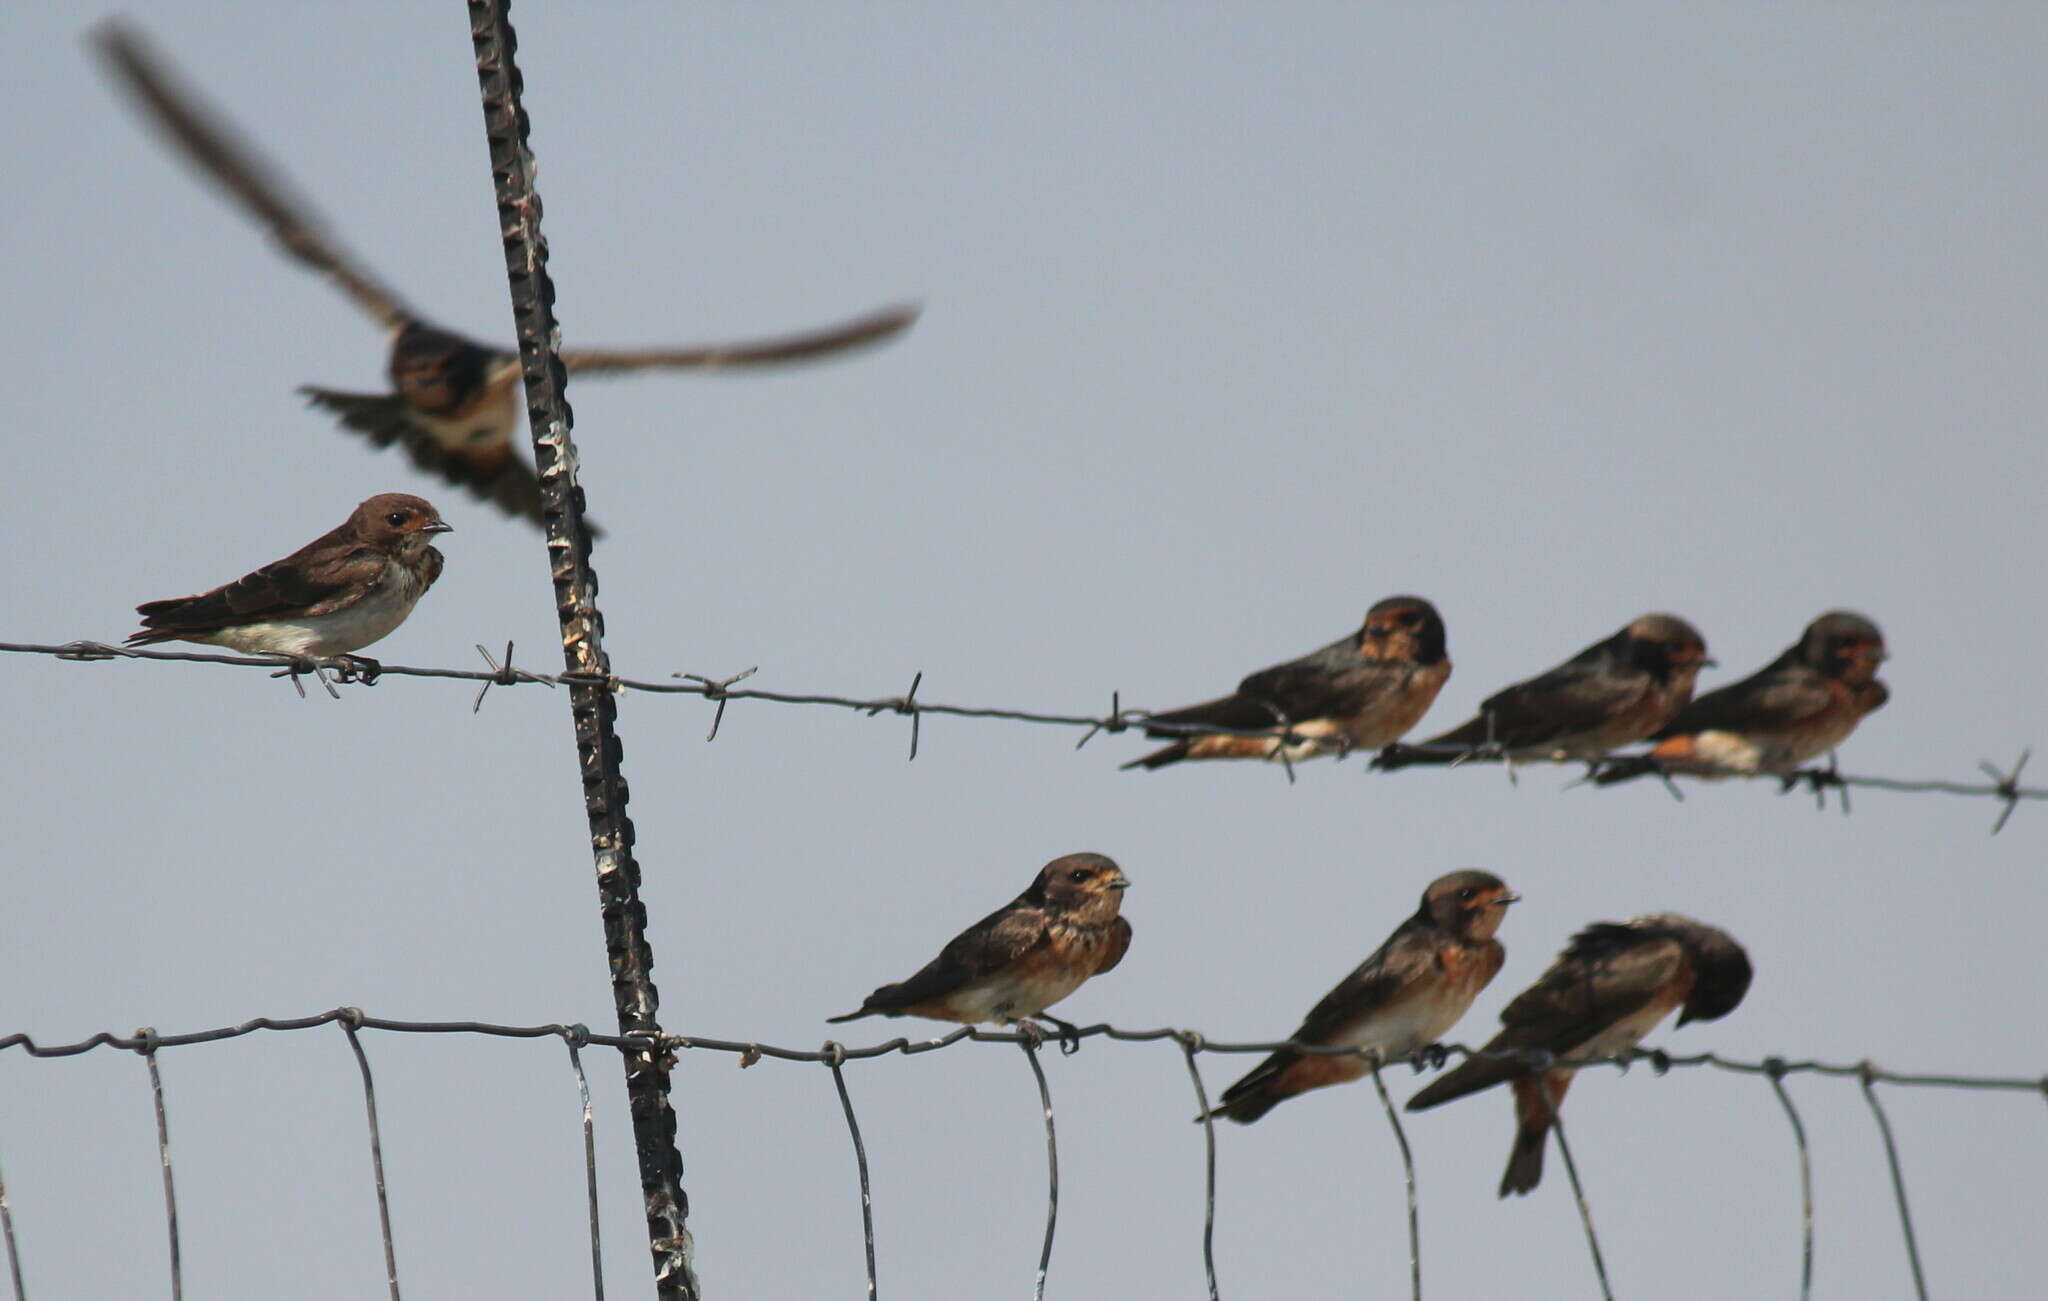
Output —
(1190, 1044)
(148, 1037)
(575, 1037)
(350, 1024)
(1891, 1156)
(836, 1058)
(1774, 1069)
(7, 1232)
(1571, 1170)
(1408, 1167)
(593, 705)
(1052, 1166)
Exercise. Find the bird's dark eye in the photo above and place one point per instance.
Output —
(395, 519)
(1467, 893)
(1078, 875)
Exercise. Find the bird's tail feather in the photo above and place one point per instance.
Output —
(850, 1016)
(1626, 769)
(1160, 758)
(1525, 1162)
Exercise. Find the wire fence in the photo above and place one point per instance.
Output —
(2001, 784)
(1191, 1044)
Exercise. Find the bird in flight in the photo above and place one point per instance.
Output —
(453, 402)
(349, 587)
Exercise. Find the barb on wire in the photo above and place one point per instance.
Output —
(2004, 785)
(835, 1059)
(1029, 1043)
(1774, 1068)
(351, 1020)
(1408, 1168)
(1891, 1156)
(1190, 1044)
(163, 1147)
(1571, 1170)
(7, 1233)
(575, 1037)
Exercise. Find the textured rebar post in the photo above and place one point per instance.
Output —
(592, 705)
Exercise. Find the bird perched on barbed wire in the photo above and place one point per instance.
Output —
(1606, 991)
(1799, 706)
(1398, 1002)
(1362, 691)
(1013, 964)
(1612, 693)
(337, 594)
(453, 403)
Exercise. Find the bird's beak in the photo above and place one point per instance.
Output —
(438, 526)
(1506, 899)
(1120, 882)
(1706, 663)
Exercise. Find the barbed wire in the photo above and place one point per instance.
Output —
(149, 1044)
(2003, 784)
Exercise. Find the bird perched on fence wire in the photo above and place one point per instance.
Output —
(1398, 1002)
(340, 592)
(1013, 964)
(1798, 707)
(1362, 691)
(1606, 991)
(453, 403)
(1613, 693)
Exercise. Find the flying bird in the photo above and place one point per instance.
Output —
(1399, 1001)
(1799, 706)
(1025, 956)
(1606, 991)
(453, 403)
(332, 597)
(1362, 691)
(1610, 694)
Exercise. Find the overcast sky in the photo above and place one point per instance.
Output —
(1238, 319)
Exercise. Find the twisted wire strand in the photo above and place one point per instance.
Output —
(2003, 784)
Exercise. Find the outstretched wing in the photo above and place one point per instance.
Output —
(823, 342)
(236, 166)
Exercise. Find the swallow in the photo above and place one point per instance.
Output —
(1611, 987)
(1610, 694)
(1362, 691)
(1025, 956)
(1799, 706)
(453, 403)
(337, 594)
(1399, 1001)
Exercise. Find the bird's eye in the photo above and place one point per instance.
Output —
(1078, 875)
(395, 518)
(1467, 893)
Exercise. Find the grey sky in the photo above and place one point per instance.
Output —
(1239, 318)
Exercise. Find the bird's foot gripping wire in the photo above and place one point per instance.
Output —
(1065, 1033)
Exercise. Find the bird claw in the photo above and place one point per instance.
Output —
(1066, 1033)
(1434, 1055)
(356, 668)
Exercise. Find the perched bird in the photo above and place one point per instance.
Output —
(331, 597)
(1799, 706)
(453, 403)
(1025, 956)
(1362, 691)
(1606, 991)
(1610, 694)
(1400, 1000)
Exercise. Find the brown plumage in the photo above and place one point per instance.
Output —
(1399, 1001)
(1610, 694)
(1798, 707)
(1024, 957)
(1611, 987)
(1360, 692)
(335, 595)
(452, 404)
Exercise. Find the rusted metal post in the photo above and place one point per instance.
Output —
(593, 707)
